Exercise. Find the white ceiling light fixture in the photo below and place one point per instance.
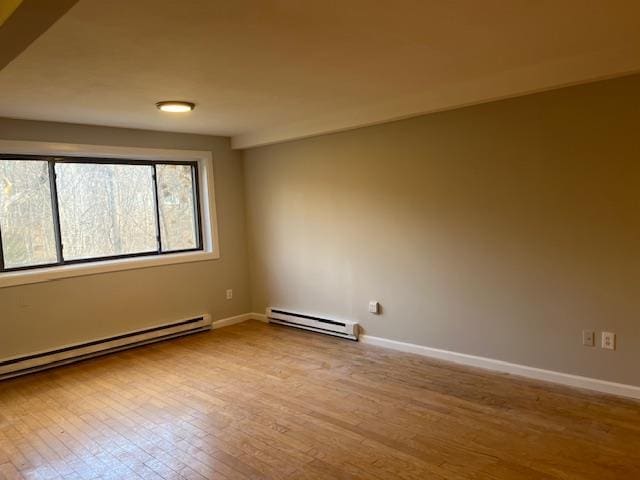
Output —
(175, 106)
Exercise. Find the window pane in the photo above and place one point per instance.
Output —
(26, 218)
(106, 210)
(175, 201)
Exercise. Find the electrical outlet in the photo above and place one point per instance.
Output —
(588, 338)
(229, 294)
(374, 307)
(609, 340)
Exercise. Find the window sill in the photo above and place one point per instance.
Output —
(24, 277)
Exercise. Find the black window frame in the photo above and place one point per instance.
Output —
(52, 160)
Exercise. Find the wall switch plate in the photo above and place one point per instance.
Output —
(374, 307)
(609, 340)
(588, 338)
(229, 294)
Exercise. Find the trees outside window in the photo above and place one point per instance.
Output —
(56, 211)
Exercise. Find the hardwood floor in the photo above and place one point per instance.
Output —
(257, 401)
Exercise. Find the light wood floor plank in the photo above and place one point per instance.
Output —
(254, 401)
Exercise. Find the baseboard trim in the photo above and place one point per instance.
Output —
(225, 322)
(602, 386)
(261, 317)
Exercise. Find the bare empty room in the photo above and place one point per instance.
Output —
(324, 240)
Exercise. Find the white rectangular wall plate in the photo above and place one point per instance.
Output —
(609, 340)
(374, 307)
(588, 338)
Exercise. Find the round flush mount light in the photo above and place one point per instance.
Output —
(175, 106)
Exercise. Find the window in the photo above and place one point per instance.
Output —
(26, 217)
(66, 210)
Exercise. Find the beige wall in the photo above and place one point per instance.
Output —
(499, 230)
(41, 316)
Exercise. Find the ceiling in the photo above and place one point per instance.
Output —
(7, 7)
(22, 21)
(263, 71)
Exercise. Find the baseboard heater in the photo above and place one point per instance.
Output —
(337, 328)
(21, 365)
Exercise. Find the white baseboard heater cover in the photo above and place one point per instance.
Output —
(314, 323)
(21, 365)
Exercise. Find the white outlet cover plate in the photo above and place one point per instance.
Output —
(609, 340)
(588, 338)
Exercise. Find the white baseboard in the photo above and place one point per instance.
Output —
(602, 386)
(225, 322)
(261, 317)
